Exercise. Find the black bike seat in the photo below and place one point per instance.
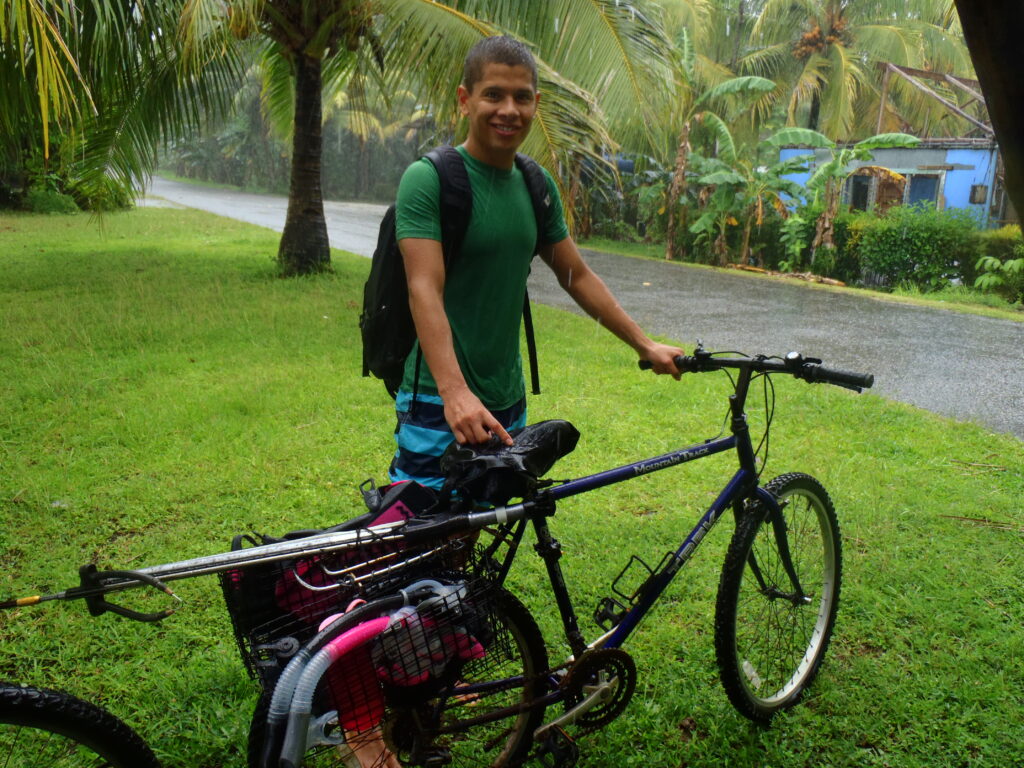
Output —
(493, 472)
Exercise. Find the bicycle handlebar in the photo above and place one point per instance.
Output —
(807, 368)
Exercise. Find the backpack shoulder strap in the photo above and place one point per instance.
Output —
(540, 196)
(456, 200)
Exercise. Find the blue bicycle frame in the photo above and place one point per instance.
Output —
(743, 485)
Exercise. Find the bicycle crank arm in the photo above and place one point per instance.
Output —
(598, 695)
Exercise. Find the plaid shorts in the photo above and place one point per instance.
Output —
(422, 435)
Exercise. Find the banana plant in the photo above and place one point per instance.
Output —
(705, 107)
(746, 189)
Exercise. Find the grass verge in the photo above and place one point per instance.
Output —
(163, 391)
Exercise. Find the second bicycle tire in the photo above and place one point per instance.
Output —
(40, 727)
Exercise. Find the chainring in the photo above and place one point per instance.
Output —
(593, 668)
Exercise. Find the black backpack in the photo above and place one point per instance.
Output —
(386, 323)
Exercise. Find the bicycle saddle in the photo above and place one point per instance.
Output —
(493, 473)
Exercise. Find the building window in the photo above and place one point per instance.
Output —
(860, 192)
(880, 191)
(923, 188)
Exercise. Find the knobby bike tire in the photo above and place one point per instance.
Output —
(769, 642)
(41, 727)
(516, 651)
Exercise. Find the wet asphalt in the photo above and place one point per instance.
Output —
(966, 367)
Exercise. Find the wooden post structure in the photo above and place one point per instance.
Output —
(993, 30)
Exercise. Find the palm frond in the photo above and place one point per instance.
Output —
(839, 96)
(570, 125)
(888, 141)
(277, 94)
(722, 134)
(801, 137)
(748, 86)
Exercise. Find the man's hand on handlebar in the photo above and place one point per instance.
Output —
(661, 359)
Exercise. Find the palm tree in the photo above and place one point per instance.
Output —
(422, 39)
(101, 83)
(827, 52)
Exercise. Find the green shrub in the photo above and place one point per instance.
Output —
(918, 245)
(766, 242)
(614, 229)
(999, 244)
(849, 229)
(43, 200)
(1005, 277)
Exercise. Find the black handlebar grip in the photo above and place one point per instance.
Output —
(841, 378)
(682, 363)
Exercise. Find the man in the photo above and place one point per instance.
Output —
(468, 322)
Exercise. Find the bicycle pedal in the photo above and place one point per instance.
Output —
(437, 758)
(609, 613)
(559, 750)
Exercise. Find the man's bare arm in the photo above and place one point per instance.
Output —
(469, 419)
(589, 291)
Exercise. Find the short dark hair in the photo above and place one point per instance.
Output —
(500, 49)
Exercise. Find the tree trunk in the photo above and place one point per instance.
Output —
(748, 225)
(721, 246)
(824, 229)
(364, 170)
(738, 34)
(304, 245)
(813, 117)
(675, 191)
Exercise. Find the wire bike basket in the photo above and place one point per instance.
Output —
(278, 606)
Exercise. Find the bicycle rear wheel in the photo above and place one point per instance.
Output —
(40, 727)
(778, 597)
(475, 713)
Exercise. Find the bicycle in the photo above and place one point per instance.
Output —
(437, 663)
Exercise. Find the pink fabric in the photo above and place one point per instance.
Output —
(416, 664)
(351, 679)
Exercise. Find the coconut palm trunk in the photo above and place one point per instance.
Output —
(304, 247)
(673, 246)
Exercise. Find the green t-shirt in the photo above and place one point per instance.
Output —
(483, 294)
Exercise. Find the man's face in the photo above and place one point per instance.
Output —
(500, 109)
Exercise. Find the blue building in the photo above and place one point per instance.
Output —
(952, 173)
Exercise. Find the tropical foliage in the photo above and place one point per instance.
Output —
(825, 54)
(90, 90)
(693, 96)
(337, 44)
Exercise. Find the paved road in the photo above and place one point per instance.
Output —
(350, 226)
(963, 366)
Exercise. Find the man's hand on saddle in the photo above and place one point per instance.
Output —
(470, 421)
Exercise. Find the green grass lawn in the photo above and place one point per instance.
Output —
(163, 391)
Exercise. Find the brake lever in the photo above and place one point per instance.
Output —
(92, 591)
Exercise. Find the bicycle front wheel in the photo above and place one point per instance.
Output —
(777, 598)
(40, 727)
